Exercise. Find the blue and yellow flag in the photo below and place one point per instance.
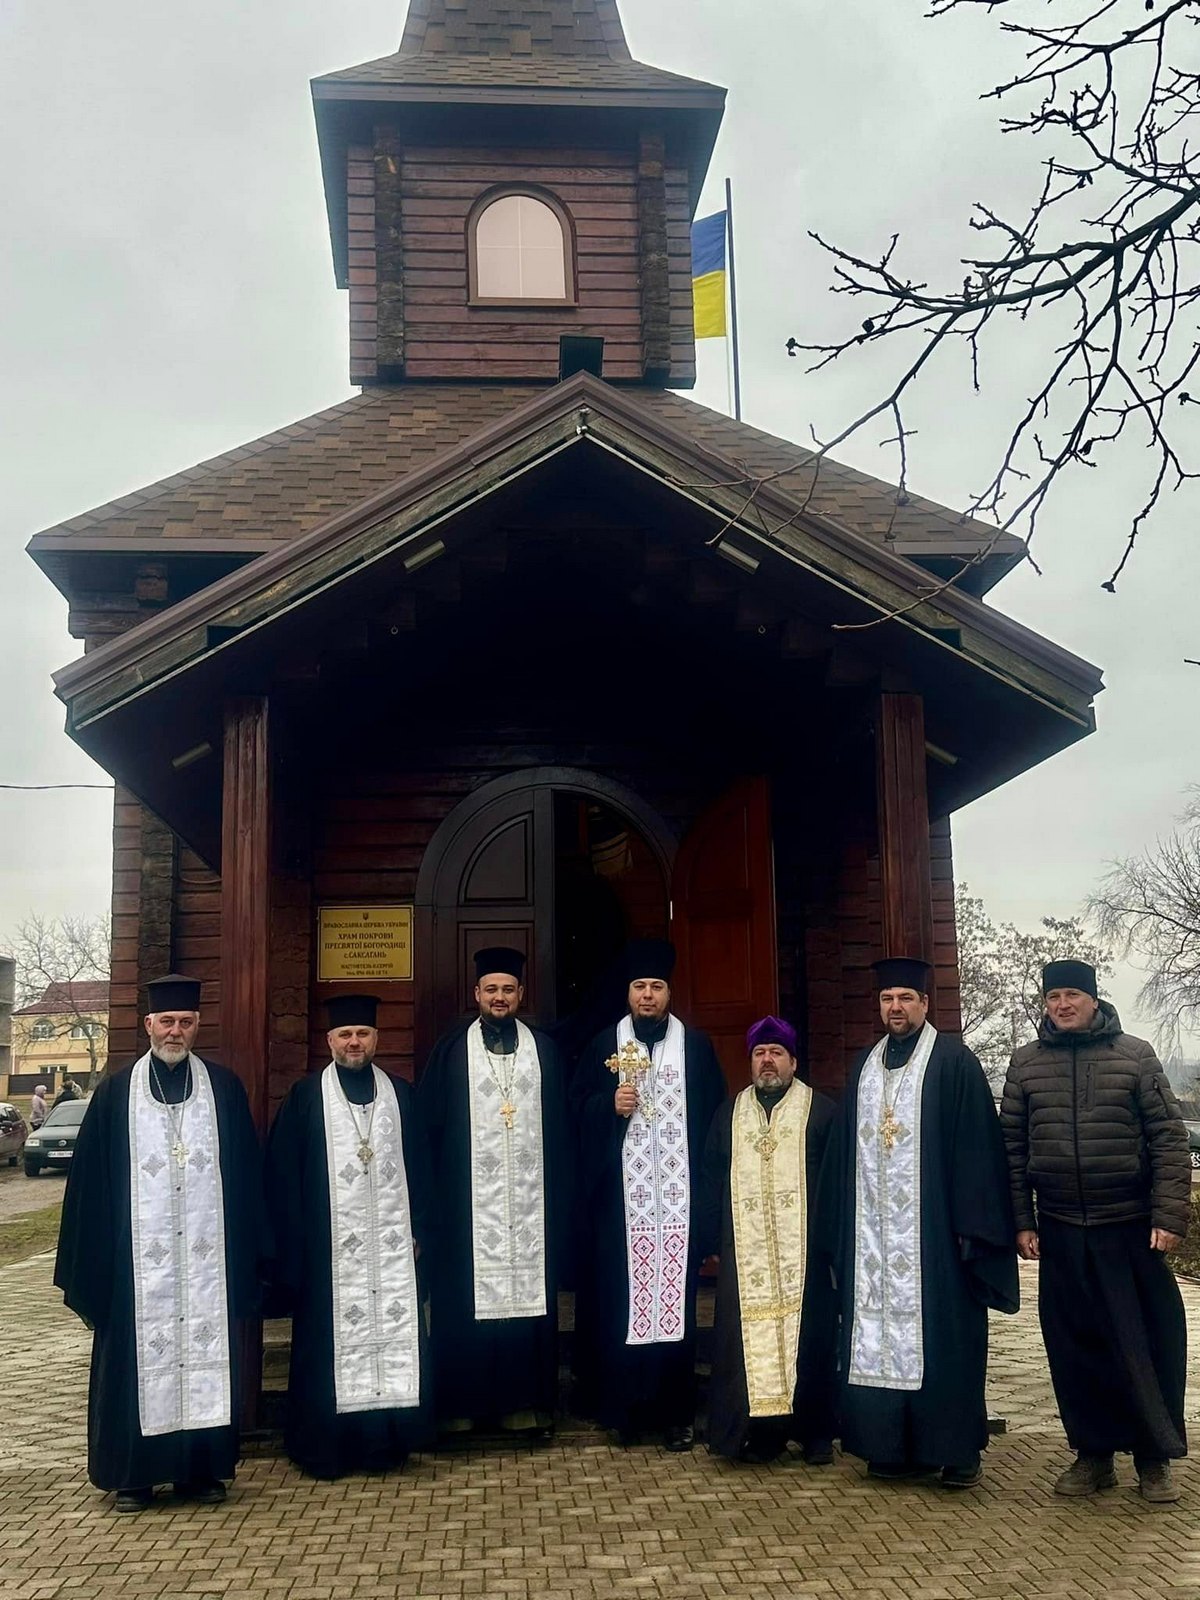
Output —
(708, 275)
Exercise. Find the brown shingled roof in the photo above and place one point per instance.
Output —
(82, 998)
(515, 28)
(277, 487)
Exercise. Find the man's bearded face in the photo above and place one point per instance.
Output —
(172, 1034)
(771, 1067)
(498, 995)
(649, 999)
(353, 1047)
(903, 1011)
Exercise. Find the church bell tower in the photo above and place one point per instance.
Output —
(508, 180)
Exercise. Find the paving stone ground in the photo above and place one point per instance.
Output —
(577, 1519)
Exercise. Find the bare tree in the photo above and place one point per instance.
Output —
(1099, 273)
(57, 957)
(1000, 976)
(1149, 906)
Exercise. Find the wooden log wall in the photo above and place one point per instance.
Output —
(408, 211)
(844, 934)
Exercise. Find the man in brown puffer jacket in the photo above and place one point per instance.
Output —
(1095, 1141)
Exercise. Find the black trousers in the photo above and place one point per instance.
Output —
(1116, 1337)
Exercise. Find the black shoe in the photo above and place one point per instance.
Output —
(628, 1438)
(964, 1477)
(818, 1452)
(756, 1455)
(677, 1440)
(204, 1491)
(130, 1500)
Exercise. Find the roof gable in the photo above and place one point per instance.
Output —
(405, 523)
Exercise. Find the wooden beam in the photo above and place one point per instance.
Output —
(902, 802)
(245, 891)
(245, 946)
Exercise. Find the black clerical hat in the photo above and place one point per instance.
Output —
(173, 993)
(1069, 975)
(499, 958)
(649, 958)
(352, 1011)
(902, 972)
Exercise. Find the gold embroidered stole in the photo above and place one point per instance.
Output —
(768, 1176)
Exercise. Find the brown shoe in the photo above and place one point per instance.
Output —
(1086, 1474)
(1156, 1483)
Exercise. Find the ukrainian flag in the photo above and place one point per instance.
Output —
(708, 275)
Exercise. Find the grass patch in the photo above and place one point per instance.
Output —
(1187, 1257)
(22, 1237)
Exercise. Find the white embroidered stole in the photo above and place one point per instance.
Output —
(376, 1311)
(656, 1180)
(508, 1180)
(887, 1346)
(180, 1296)
(768, 1192)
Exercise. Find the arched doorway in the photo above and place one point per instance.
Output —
(557, 862)
(566, 866)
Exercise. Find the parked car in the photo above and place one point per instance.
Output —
(53, 1144)
(1193, 1133)
(12, 1133)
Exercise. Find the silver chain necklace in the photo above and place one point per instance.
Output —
(179, 1150)
(365, 1151)
(505, 1082)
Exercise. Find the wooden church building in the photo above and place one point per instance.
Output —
(520, 644)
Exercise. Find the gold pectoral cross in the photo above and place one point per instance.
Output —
(365, 1154)
(890, 1128)
(508, 1111)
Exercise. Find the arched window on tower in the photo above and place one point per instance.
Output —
(519, 249)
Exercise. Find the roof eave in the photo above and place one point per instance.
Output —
(580, 408)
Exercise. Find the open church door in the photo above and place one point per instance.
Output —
(723, 922)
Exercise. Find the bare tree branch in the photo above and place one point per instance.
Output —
(1110, 88)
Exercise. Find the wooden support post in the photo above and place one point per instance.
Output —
(245, 898)
(245, 944)
(902, 801)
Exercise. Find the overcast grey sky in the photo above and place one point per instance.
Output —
(167, 293)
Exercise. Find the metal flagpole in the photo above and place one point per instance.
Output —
(733, 320)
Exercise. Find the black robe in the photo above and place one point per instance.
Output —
(812, 1420)
(94, 1269)
(317, 1439)
(490, 1369)
(968, 1264)
(638, 1387)
(1116, 1338)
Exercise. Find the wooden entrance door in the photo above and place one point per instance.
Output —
(489, 878)
(723, 894)
(496, 886)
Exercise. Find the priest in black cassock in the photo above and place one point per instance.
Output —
(775, 1333)
(916, 1222)
(349, 1190)
(492, 1104)
(648, 1089)
(159, 1253)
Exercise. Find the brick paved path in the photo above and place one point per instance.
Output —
(576, 1519)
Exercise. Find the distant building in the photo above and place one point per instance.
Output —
(63, 1034)
(8, 991)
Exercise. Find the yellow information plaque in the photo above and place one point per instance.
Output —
(364, 942)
